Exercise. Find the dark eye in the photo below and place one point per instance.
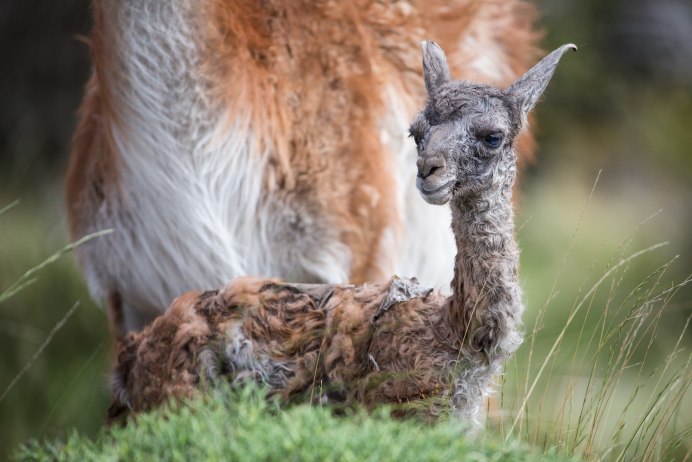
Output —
(493, 139)
(416, 138)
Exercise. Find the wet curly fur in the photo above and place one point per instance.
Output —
(395, 342)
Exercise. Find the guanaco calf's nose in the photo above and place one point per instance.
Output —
(429, 165)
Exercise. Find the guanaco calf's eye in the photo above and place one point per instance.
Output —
(416, 138)
(493, 140)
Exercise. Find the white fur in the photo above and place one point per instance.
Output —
(246, 364)
(426, 249)
(487, 63)
(193, 212)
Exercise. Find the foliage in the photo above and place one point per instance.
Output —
(244, 426)
(609, 380)
(53, 358)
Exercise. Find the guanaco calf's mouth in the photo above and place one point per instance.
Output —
(434, 194)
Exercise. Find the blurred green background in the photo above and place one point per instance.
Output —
(623, 105)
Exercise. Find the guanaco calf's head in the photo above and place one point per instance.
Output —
(465, 134)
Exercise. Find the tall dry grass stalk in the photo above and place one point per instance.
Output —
(26, 280)
(605, 394)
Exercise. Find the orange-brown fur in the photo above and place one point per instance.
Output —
(321, 99)
(312, 74)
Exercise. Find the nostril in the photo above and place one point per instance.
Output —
(427, 169)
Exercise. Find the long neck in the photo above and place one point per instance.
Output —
(485, 307)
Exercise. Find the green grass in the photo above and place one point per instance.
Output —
(242, 425)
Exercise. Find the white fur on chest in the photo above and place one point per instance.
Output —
(193, 212)
(427, 246)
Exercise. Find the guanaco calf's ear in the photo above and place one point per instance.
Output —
(530, 86)
(435, 67)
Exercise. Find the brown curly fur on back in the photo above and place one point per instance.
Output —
(334, 343)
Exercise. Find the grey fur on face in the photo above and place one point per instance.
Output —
(467, 130)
